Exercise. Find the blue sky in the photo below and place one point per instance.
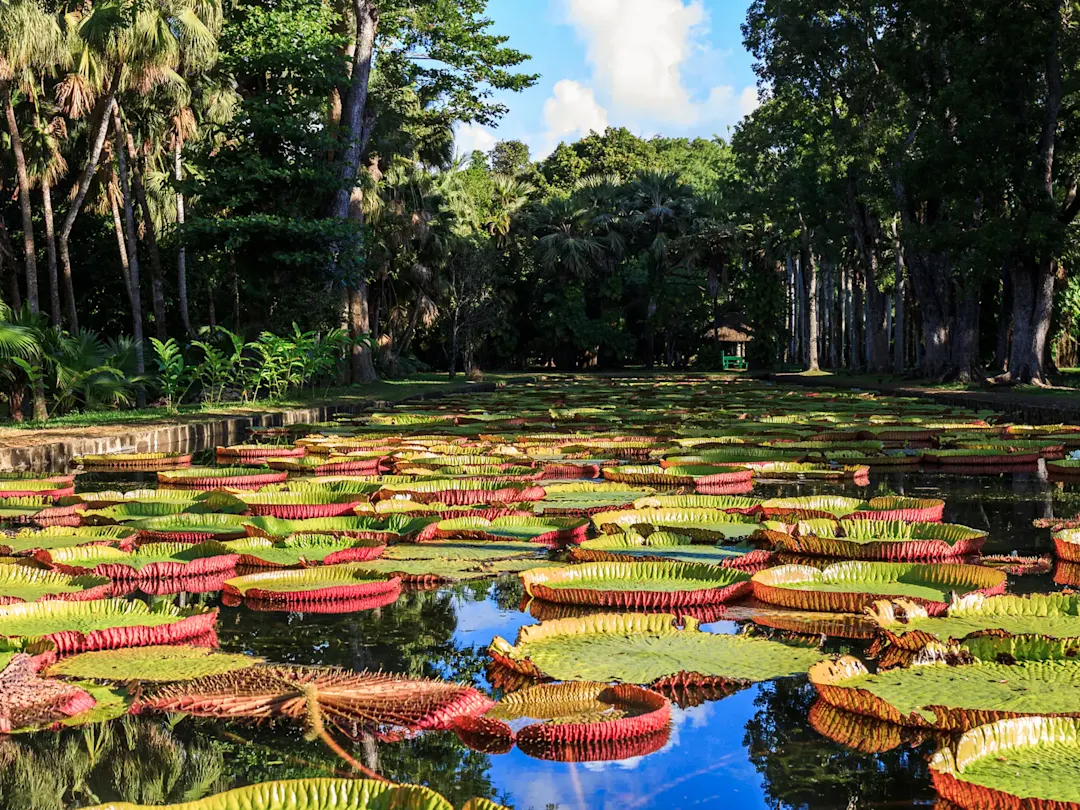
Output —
(657, 67)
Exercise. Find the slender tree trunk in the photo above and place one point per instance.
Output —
(235, 291)
(900, 291)
(104, 109)
(9, 267)
(858, 316)
(1004, 330)
(118, 228)
(50, 243)
(345, 202)
(132, 250)
(811, 310)
(50, 252)
(181, 253)
(23, 180)
(157, 281)
(212, 311)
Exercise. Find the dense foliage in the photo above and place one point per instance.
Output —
(903, 199)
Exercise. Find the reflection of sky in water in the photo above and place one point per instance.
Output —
(703, 765)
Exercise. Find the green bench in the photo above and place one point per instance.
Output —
(733, 362)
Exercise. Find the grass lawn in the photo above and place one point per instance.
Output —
(381, 390)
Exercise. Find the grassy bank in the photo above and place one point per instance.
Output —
(102, 422)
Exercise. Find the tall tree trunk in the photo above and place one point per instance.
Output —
(9, 268)
(104, 111)
(858, 320)
(900, 291)
(964, 336)
(235, 291)
(132, 250)
(1033, 300)
(1004, 329)
(50, 242)
(1033, 281)
(357, 315)
(181, 253)
(50, 253)
(157, 280)
(23, 180)
(811, 310)
(345, 203)
(118, 228)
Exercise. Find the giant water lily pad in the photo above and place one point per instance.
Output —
(27, 700)
(20, 583)
(325, 583)
(155, 664)
(301, 550)
(637, 584)
(543, 530)
(951, 689)
(391, 527)
(149, 561)
(909, 625)
(28, 540)
(666, 546)
(384, 704)
(850, 587)
(213, 477)
(647, 649)
(1021, 762)
(882, 540)
(462, 491)
(316, 794)
(104, 624)
(190, 528)
(705, 525)
(465, 550)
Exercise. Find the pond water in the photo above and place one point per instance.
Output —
(755, 748)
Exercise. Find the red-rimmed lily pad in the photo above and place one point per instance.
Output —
(637, 584)
(21, 583)
(148, 561)
(550, 531)
(882, 540)
(303, 550)
(1026, 763)
(851, 587)
(647, 648)
(105, 624)
(214, 477)
(330, 583)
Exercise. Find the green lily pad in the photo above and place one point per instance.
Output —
(310, 794)
(157, 664)
(1050, 616)
(1028, 759)
(646, 648)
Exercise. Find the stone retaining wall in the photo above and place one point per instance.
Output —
(191, 437)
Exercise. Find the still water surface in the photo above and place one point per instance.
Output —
(753, 749)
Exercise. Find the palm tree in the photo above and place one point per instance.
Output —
(566, 245)
(508, 197)
(120, 45)
(47, 166)
(660, 208)
(30, 39)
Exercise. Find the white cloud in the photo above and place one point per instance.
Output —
(470, 137)
(572, 111)
(637, 49)
(641, 52)
(748, 100)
